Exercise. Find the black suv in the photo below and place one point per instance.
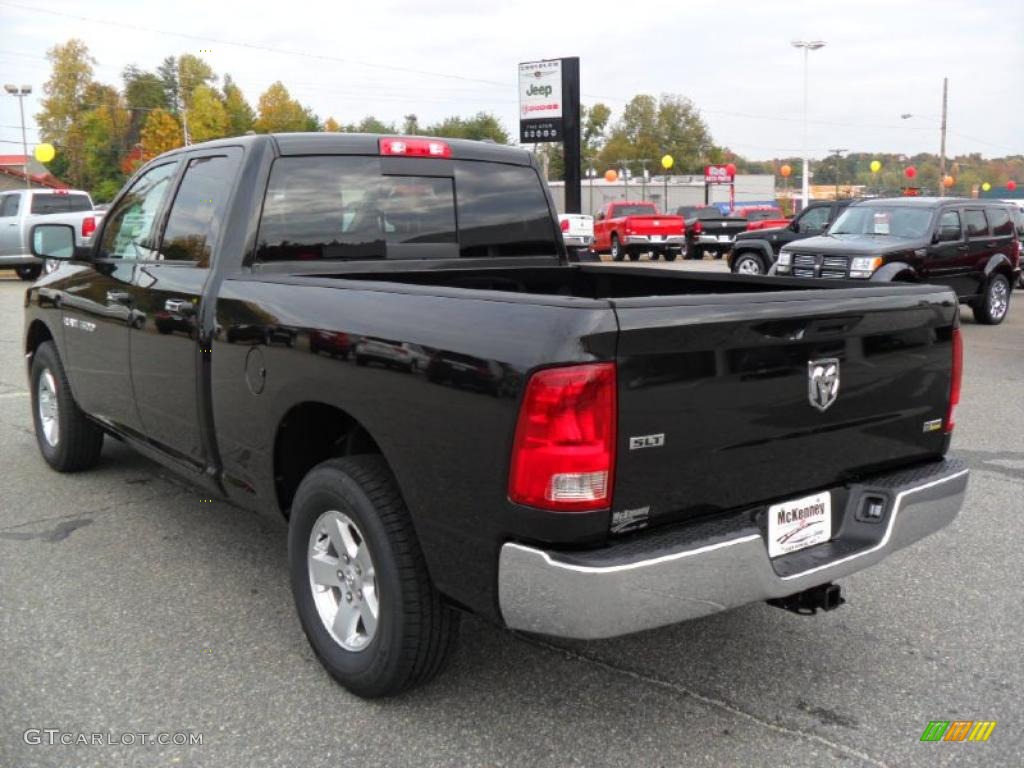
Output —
(971, 246)
(754, 252)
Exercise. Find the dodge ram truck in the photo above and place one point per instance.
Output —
(634, 228)
(571, 449)
(21, 209)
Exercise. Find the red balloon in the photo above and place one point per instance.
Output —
(730, 169)
(1011, 185)
(910, 172)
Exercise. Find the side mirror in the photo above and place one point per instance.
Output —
(53, 241)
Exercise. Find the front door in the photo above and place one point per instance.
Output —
(97, 302)
(10, 225)
(947, 259)
(165, 343)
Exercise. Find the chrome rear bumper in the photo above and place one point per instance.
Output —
(627, 588)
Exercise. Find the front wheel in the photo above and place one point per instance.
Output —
(29, 271)
(360, 582)
(991, 309)
(748, 264)
(671, 255)
(67, 439)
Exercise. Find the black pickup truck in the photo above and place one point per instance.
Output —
(708, 230)
(578, 450)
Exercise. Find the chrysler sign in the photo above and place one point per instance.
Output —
(540, 101)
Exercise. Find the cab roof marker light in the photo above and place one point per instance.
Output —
(416, 148)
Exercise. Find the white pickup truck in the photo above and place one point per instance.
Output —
(578, 234)
(20, 209)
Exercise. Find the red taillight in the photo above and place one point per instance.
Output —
(565, 225)
(415, 148)
(955, 379)
(697, 228)
(88, 226)
(563, 456)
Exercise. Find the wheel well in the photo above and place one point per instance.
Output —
(309, 434)
(38, 333)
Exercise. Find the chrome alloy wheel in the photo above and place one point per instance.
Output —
(998, 299)
(49, 412)
(343, 580)
(748, 266)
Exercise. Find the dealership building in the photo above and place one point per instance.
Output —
(750, 189)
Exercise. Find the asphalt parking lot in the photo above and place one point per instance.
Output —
(129, 606)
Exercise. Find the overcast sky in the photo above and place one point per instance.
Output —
(443, 57)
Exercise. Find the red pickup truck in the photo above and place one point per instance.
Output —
(762, 217)
(631, 228)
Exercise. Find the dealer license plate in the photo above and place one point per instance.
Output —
(799, 524)
(725, 238)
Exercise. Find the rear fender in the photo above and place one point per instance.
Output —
(999, 263)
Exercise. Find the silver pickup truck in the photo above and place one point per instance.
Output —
(22, 208)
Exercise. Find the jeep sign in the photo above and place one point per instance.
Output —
(540, 101)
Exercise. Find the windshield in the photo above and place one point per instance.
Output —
(889, 221)
(635, 210)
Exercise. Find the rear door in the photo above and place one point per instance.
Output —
(717, 391)
(980, 248)
(1003, 231)
(168, 289)
(948, 261)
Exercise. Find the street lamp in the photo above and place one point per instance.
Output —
(808, 46)
(21, 93)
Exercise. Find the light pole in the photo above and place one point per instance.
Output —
(808, 46)
(21, 93)
(942, 136)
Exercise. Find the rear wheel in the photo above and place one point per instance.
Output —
(616, 249)
(360, 583)
(695, 252)
(633, 255)
(991, 309)
(748, 264)
(67, 439)
(29, 271)
(671, 255)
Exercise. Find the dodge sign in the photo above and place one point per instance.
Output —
(540, 101)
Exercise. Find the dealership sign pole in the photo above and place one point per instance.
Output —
(549, 110)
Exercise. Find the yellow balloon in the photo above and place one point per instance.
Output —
(986, 186)
(667, 162)
(44, 153)
(876, 166)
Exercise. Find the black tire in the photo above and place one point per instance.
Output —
(416, 631)
(695, 253)
(994, 306)
(671, 255)
(79, 441)
(29, 271)
(634, 255)
(748, 263)
(616, 249)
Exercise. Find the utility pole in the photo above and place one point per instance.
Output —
(839, 156)
(942, 142)
(184, 109)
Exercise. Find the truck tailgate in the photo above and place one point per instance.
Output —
(656, 225)
(727, 382)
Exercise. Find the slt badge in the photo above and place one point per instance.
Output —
(823, 382)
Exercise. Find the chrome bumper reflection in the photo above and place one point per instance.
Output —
(539, 593)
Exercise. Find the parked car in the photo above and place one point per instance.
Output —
(652, 455)
(762, 217)
(391, 354)
(708, 230)
(21, 209)
(631, 228)
(754, 253)
(970, 246)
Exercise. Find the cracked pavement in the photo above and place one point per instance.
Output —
(128, 606)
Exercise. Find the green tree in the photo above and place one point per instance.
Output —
(312, 122)
(410, 125)
(207, 117)
(332, 125)
(370, 124)
(278, 112)
(143, 92)
(240, 114)
(482, 125)
(64, 98)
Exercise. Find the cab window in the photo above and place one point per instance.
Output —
(974, 219)
(9, 205)
(130, 229)
(814, 220)
(999, 220)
